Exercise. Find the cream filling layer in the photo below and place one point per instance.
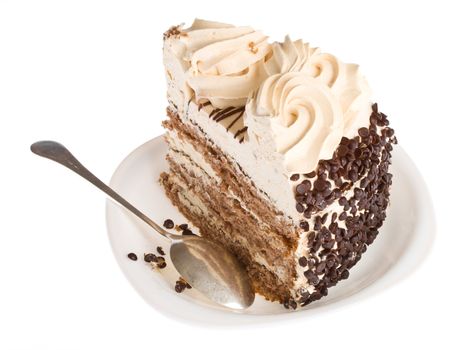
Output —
(271, 184)
(185, 154)
(196, 205)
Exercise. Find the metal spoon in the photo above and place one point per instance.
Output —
(204, 264)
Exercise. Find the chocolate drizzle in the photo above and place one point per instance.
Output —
(234, 113)
(234, 121)
(229, 112)
(241, 132)
(220, 113)
(203, 104)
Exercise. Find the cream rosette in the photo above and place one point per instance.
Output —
(345, 80)
(307, 122)
(226, 63)
(348, 85)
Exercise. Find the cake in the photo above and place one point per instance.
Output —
(277, 152)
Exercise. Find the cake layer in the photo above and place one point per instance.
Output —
(235, 220)
(220, 191)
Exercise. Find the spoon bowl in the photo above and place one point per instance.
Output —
(202, 263)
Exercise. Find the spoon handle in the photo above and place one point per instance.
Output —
(60, 154)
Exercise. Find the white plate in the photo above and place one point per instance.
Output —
(402, 244)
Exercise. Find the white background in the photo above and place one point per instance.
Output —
(89, 74)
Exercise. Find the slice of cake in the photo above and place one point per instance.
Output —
(277, 152)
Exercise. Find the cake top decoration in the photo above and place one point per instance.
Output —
(312, 108)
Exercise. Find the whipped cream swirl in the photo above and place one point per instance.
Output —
(226, 63)
(306, 118)
(348, 85)
(345, 80)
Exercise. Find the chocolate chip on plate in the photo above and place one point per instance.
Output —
(169, 224)
(150, 257)
(132, 256)
(160, 251)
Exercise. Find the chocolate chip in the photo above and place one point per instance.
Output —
(358, 193)
(294, 177)
(311, 277)
(169, 224)
(290, 304)
(327, 246)
(342, 151)
(310, 175)
(320, 184)
(302, 261)
(363, 132)
(299, 208)
(187, 232)
(342, 216)
(309, 198)
(183, 226)
(150, 257)
(300, 198)
(345, 274)
(353, 144)
(304, 225)
(324, 218)
(179, 287)
(160, 251)
(334, 227)
(303, 187)
(333, 218)
(132, 256)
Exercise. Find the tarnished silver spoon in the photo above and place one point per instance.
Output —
(204, 264)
